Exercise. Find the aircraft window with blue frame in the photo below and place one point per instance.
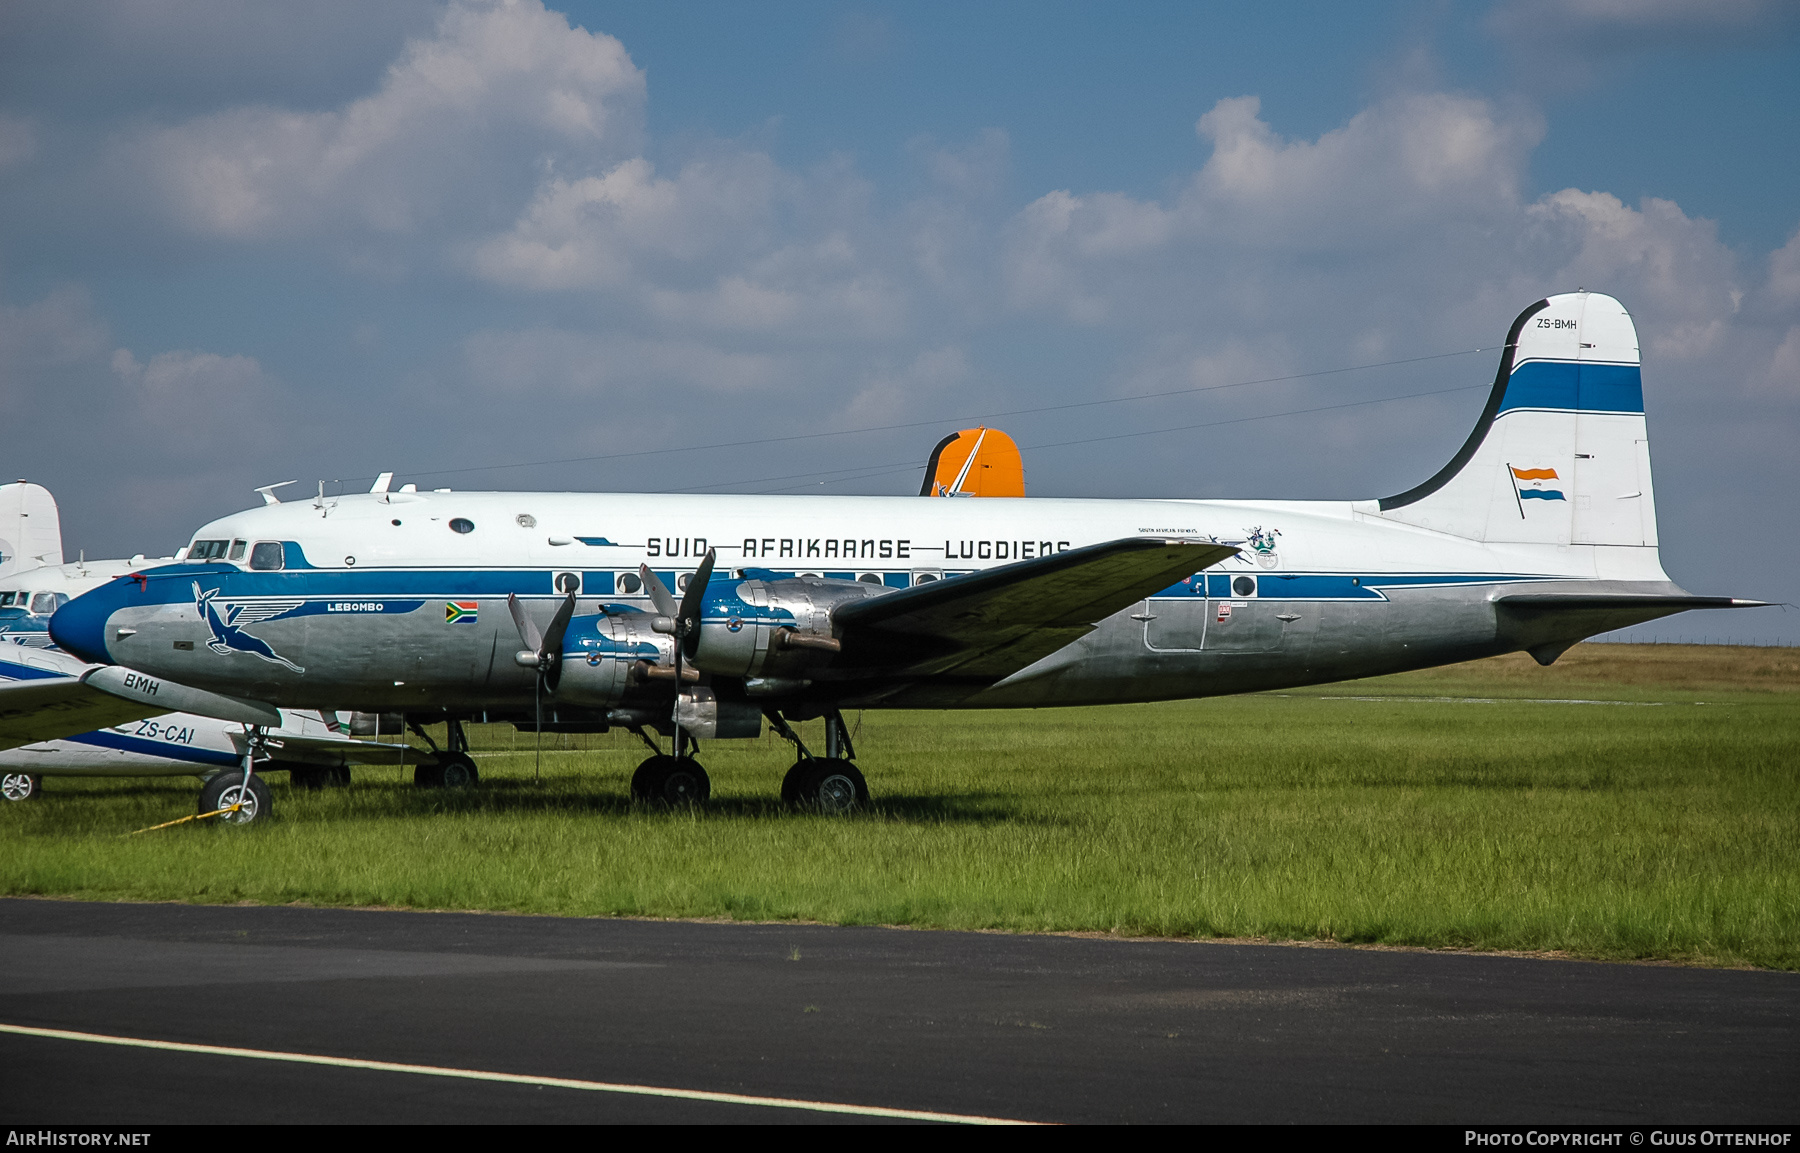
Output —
(207, 550)
(267, 555)
(870, 578)
(629, 583)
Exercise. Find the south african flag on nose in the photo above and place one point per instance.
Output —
(460, 612)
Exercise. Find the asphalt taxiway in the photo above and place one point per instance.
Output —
(522, 1019)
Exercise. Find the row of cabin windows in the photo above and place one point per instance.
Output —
(265, 555)
(36, 603)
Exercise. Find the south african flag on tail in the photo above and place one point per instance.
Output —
(1528, 484)
(460, 612)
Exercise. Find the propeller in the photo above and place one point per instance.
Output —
(542, 652)
(685, 619)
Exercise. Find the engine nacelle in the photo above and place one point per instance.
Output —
(758, 628)
(602, 656)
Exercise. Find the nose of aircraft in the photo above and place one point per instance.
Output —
(79, 627)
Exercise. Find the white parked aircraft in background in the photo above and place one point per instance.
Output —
(34, 579)
(315, 749)
(555, 609)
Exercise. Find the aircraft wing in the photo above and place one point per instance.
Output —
(49, 709)
(989, 624)
(52, 707)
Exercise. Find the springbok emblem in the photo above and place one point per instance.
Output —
(227, 637)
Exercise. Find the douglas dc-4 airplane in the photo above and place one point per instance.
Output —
(556, 609)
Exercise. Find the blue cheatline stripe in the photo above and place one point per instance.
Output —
(168, 752)
(1540, 494)
(386, 586)
(1331, 586)
(1565, 384)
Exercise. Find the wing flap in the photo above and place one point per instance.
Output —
(992, 623)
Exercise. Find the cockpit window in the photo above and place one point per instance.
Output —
(6, 599)
(46, 603)
(266, 555)
(237, 551)
(207, 550)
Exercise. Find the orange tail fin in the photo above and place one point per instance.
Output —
(975, 462)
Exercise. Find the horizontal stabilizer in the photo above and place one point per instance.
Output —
(989, 624)
(1547, 624)
(1549, 602)
(334, 750)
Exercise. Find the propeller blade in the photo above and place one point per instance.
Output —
(559, 624)
(528, 630)
(660, 596)
(549, 660)
(693, 601)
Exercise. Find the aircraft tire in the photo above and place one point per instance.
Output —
(457, 771)
(827, 785)
(313, 777)
(223, 789)
(21, 786)
(671, 781)
(308, 777)
(791, 784)
(429, 776)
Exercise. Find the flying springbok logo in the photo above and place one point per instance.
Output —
(228, 637)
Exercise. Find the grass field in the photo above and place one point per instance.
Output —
(1629, 802)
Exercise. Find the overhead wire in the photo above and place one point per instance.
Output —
(865, 472)
(939, 421)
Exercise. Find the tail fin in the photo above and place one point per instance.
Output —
(975, 462)
(1560, 455)
(30, 530)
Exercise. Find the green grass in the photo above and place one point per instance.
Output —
(1668, 828)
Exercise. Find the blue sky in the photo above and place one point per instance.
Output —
(243, 242)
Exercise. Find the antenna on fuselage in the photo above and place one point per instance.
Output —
(319, 502)
(267, 491)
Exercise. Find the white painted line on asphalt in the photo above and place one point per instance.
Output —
(514, 1078)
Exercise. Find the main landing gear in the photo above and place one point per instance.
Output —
(315, 777)
(828, 784)
(671, 780)
(451, 768)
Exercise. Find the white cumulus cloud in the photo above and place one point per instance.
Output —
(500, 86)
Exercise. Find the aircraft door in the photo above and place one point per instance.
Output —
(1174, 624)
(1249, 616)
